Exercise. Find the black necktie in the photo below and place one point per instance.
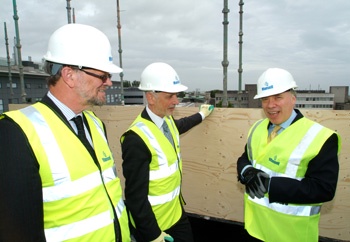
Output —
(167, 133)
(81, 131)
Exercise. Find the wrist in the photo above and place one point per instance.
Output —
(241, 176)
(202, 114)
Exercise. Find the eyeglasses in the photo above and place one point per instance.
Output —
(103, 78)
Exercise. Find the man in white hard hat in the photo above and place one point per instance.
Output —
(58, 176)
(152, 164)
(289, 167)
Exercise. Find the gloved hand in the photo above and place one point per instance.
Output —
(256, 182)
(163, 237)
(206, 109)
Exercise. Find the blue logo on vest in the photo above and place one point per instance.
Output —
(106, 158)
(274, 160)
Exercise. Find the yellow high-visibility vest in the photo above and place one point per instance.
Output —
(287, 155)
(165, 171)
(77, 195)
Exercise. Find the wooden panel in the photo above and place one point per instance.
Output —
(210, 151)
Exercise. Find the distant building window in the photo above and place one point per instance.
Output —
(14, 85)
(27, 85)
(133, 96)
(1, 106)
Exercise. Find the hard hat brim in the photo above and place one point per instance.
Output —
(174, 89)
(266, 94)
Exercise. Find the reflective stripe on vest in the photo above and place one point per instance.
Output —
(288, 209)
(80, 228)
(161, 199)
(298, 152)
(65, 218)
(73, 188)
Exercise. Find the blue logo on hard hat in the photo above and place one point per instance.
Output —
(177, 81)
(267, 86)
(110, 58)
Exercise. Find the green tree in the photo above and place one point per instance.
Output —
(181, 94)
(213, 92)
(135, 83)
(126, 83)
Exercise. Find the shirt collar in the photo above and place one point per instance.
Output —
(155, 118)
(67, 112)
(286, 123)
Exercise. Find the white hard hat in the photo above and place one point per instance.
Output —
(83, 46)
(274, 81)
(160, 77)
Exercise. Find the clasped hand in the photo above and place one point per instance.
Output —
(256, 182)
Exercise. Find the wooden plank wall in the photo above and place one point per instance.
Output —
(210, 151)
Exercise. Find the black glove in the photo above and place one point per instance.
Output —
(256, 182)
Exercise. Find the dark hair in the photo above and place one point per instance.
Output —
(54, 70)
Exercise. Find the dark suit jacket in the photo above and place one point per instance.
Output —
(136, 159)
(320, 180)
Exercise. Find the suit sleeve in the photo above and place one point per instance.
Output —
(136, 159)
(186, 123)
(320, 180)
(243, 161)
(21, 202)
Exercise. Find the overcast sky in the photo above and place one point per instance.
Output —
(311, 39)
